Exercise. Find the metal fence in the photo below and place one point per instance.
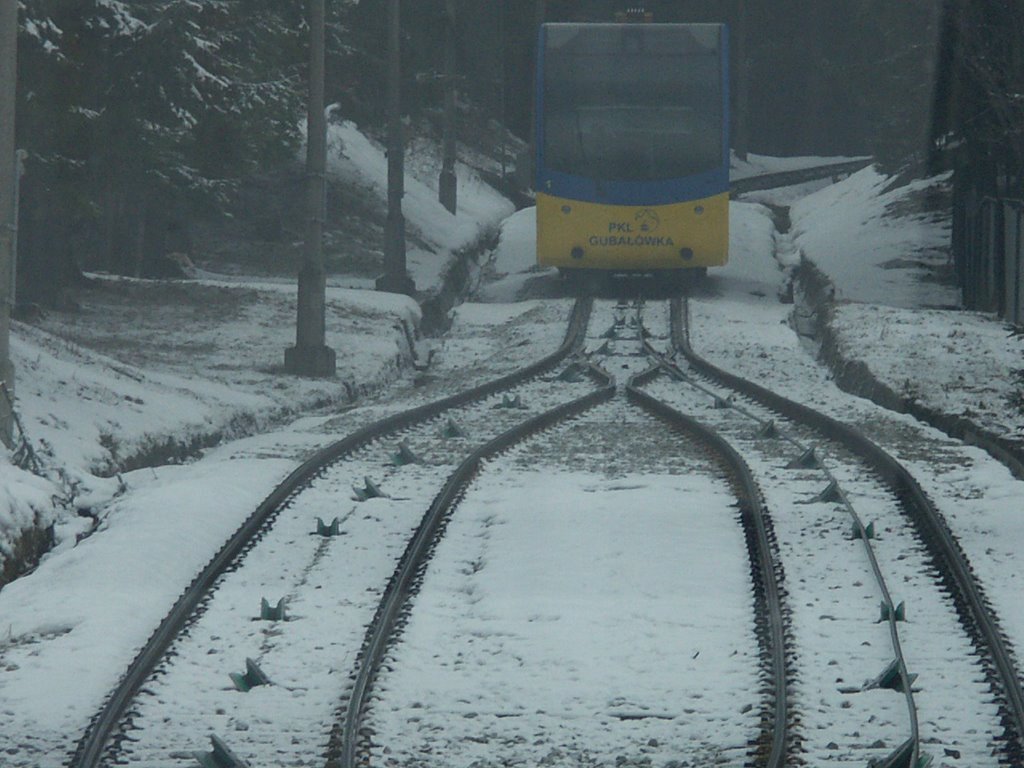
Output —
(989, 250)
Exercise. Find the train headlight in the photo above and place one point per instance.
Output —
(577, 253)
(686, 254)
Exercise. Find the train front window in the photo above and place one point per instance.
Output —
(639, 103)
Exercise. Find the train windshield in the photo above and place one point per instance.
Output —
(634, 103)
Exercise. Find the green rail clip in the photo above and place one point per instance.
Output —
(322, 529)
(806, 460)
(890, 679)
(404, 455)
(220, 757)
(899, 613)
(370, 490)
(452, 430)
(270, 612)
(868, 531)
(510, 402)
(252, 677)
(571, 373)
(830, 493)
(901, 758)
(767, 431)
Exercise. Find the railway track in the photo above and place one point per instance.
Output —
(949, 603)
(106, 726)
(608, 404)
(208, 632)
(373, 728)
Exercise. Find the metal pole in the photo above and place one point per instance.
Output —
(447, 188)
(395, 277)
(8, 224)
(311, 356)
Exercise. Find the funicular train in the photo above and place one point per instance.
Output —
(632, 149)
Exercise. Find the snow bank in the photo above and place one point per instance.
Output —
(433, 233)
(878, 245)
(150, 372)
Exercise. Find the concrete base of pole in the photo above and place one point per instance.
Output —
(310, 356)
(396, 283)
(310, 361)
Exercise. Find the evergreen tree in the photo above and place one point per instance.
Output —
(135, 110)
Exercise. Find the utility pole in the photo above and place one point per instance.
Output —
(8, 179)
(395, 278)
(311, 356)
(447, 186)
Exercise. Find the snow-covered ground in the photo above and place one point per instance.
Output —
(879, 245)
(146, 363)
(433, 234)
(887, 254)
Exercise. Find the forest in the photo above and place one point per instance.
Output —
(138, 118)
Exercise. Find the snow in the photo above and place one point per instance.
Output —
(115, 382)
(849, 231)
(513, 264)
(91, 602)
(550, 603)
(973, 361)
(355, 158)
(97, 409)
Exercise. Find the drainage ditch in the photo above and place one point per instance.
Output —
(812, 315)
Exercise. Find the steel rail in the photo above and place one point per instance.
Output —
(942, 545)
(89, 749)
(913, 742)
(891, 613)
(753, 510)
(344, 741)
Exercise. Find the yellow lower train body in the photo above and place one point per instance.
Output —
(578, 235)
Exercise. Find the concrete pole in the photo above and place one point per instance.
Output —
(448, 184)
(395, 278)
(311, 356)
(8, 179)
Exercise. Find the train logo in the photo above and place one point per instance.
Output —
(648, 220)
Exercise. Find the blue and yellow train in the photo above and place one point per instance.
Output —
(632, 166)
